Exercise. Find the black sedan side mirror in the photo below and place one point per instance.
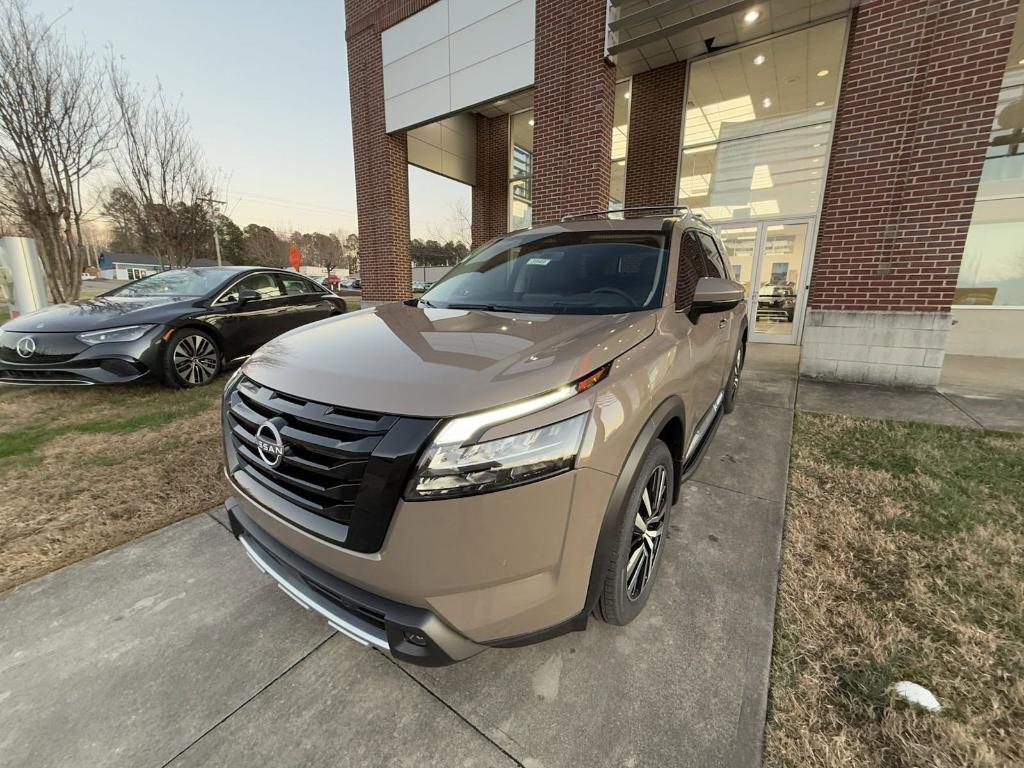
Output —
(248, 294)
(715, 294)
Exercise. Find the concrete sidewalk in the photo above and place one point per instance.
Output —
(975, 392)
(174, 650)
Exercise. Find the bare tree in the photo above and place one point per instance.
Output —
(160, 166)
(458, 225)
(56, 127)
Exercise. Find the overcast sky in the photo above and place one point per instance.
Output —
(266, 85)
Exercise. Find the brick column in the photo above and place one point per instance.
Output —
(915, 111)
(657, 99)
(573, 109)
(381, 160)
(490, 193)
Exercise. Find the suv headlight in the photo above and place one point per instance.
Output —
(456, 464)
(126, 333)
(459, 470)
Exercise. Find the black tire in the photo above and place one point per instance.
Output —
(732, 386)
(638, 554)
(191, 358)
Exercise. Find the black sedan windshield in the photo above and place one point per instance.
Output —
(567, 273)
(175, 282)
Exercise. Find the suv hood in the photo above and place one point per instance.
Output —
(96, 314)
(410, 361)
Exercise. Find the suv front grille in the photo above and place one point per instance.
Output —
(346, 466)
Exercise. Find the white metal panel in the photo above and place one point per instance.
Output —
(507, 72)
(453, 55)
(420, 29)
(447, 147)
(501, 31)
(417, 105)
(426, 65)
(462, 13)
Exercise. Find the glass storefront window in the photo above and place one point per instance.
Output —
(620, 144)
(520, 172)
(992, 270)
(778, 174)
(757, 125)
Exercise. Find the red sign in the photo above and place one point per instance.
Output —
(333, 279)
(294, 257)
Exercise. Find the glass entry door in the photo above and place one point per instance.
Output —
(770, 259)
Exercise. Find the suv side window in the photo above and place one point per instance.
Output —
(713, 264)
(691, 256)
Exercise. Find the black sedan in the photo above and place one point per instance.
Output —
(181, 327)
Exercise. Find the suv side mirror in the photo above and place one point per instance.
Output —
(715, 294)
(248, 294)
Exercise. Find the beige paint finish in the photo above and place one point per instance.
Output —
(406, 360)
(492, 566)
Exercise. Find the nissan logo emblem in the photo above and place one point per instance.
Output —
(26, 346)
(269, 444)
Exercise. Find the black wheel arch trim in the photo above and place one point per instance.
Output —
(671, 408)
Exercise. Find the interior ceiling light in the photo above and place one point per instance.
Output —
(759, 59)
(627, 94)
(751, 16)
(766, 103)
(530, 121)
(822, 72)
(819, 103)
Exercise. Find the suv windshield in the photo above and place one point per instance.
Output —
(175, 282)
(566, 273)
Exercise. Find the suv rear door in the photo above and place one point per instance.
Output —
(714, 266)
(702, 332)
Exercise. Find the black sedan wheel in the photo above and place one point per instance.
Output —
(191, 359)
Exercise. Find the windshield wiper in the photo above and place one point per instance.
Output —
(486, 307)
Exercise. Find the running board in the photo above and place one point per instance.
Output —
(703, 425)
(702, 435)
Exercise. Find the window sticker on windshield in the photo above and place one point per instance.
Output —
(538, 261)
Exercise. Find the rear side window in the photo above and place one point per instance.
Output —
(713, 264)
(691, 269)
(296, 286)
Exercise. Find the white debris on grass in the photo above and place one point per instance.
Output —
(918, 695)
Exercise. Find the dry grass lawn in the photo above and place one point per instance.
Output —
(85, 469)
(903, 560)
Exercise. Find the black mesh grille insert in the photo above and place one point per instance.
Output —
(344, 465)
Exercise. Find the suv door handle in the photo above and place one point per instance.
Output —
(722, 323)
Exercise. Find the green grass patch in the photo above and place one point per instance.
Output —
(953, 478)
(125, 409)
(903, 559)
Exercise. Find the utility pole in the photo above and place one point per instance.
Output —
(216, 240)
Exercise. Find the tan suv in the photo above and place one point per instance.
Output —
(490, 464)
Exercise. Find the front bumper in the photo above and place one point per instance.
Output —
(111, 363)
(408, 633)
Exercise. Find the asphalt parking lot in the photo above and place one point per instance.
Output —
(174, 650)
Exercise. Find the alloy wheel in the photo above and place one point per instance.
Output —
(736, 368)
(195, 359)
(645, 543)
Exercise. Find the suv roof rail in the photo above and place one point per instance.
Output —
(685, 209)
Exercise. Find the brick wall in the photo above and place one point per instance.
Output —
(381, 161)
(657, 99)
(573, 109)
(915, 111)
(490, 193)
